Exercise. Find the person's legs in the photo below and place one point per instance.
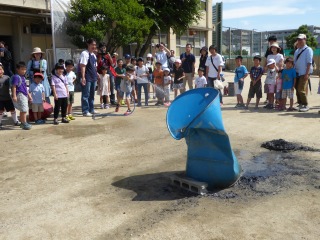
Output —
(64, 104)
(23, 117)
(57, 106)
(92, 89)
(210, 81)
(139, 93)
(188, 79)
(146, 95)
(297, 93)
(85, 97)
(112, 95)
(302, 86)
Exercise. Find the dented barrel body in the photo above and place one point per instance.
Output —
(196, 116)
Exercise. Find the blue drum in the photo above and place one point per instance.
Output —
(196, 116)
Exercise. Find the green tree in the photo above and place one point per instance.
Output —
(119, 21)
(238, 52)
(165, 14)
(311, 40)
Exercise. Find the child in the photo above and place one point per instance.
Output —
(71, 78)
(142, 79)
(60, 93)
(5, 98)
(178, 73)
(126, 87)
(149, 65)
(20, 94)
(104, 87)
(278, 94)
(241, 73)
(36, 90)
(121, 72)
(288, 83)
(256, 73)
(201, 81)
(270, 82)
(158, 81)
(167, 84)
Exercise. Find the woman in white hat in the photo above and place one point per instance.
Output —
(38, 64)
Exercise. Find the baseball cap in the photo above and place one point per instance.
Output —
(177, 60)
(127, 56)
(149, 55)
(271, 61)
(37, 74)
(302, 36)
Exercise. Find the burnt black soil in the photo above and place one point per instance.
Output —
(285, 146)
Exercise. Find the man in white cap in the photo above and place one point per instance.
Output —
(303, 65)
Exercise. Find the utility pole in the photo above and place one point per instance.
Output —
(230, 42)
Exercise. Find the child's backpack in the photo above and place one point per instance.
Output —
(11, 83)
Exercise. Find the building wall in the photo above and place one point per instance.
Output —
(36, 4)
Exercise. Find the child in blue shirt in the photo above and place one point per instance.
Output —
(37, 92)
(241, 73)
(288, 83)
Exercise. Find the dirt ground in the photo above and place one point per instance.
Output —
(109, 178)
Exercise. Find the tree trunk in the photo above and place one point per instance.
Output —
(148, 41)
(137, 50)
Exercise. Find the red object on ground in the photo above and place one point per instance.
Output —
(48, 109)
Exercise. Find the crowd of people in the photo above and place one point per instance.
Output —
(120, 81)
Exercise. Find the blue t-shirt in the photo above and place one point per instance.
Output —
(288, 76)
(256, 72)
(36, 91)
(187, 64)
(23, 86)
(239, 73)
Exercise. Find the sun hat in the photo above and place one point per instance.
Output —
(302, 36)
(271, 61)
(37, 74)
(177, 60)
(36, 50)
(166, 69)
(274, 45)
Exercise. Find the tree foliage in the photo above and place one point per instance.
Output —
(165, 14)
(119, 21)
(311, 40)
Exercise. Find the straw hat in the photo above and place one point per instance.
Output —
(275, 45)
(36, 50)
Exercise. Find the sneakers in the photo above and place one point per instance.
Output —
(55, 122)
(17, 123)
(65, 120)
(25, 126)
(102, 106)
(94, 112)
(106, 106)
(1, 126)
(39, 121)
(122, 102)
(70, 117)
(304, 108)
(87, 114)
(128, 112)
(239, 105)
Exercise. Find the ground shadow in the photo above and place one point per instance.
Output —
(153, 187)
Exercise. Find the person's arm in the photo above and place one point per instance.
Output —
(43, 97)
(207, 71)
(14, 93)
(219, 72)
(109, 84)
(54, 92)
(29, 97)
(44, 66)
(193, 68)
(166, 49)
(83, 74)
(306, 76)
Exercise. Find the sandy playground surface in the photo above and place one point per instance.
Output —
(109, 179)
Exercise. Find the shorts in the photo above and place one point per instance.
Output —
(237, 91)
(126, 94)
(255, 90)
(71, 97)
(178, 86)
(22, 103)
(269, 88)
(278, 95)
(118, 89)
(7, 105)
(287, 93)
(37, 107)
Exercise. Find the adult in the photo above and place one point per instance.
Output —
(276, 55)
(171, 60)
(214, 65)
(5, 59)
(203, 59)
(38, 64)
(188, 65)
(162, 54)
(271, 40)
(303, 65)
(104, 59)
(89, 77)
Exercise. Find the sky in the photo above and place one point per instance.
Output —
(269, 15)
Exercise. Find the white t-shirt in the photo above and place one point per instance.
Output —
(71, 76)
(278, 58)
(166, 80)
(163, 58)
(217, 61)
(84, 57)
(141, 71)
(200, 82)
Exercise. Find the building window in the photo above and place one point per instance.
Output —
(195, 37)
(203, 5)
